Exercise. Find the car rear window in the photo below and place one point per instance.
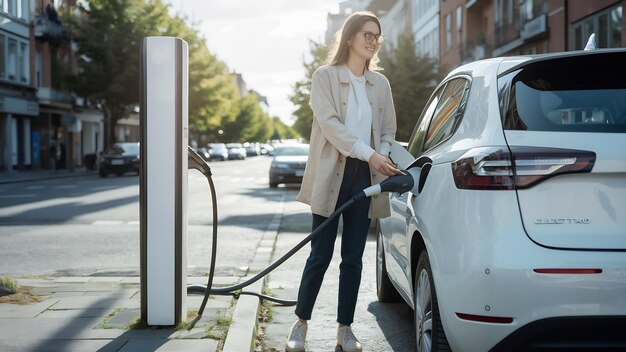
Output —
(584, 93)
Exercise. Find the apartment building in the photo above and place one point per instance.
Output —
(18, 103)
(476, 29)
(42, 126)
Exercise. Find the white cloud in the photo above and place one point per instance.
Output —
(265, 41)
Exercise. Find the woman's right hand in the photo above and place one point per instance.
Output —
(383, 165)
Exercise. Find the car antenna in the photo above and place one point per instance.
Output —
(591, 43)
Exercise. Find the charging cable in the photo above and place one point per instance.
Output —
(399, 183)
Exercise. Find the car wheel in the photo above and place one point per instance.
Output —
(428, 327)
(385, 290)
(273, 185)
(118, 174)
(102, 173)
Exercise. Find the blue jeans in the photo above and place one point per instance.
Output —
(356, 224)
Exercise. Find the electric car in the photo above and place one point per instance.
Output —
(516, 235)
(288, 164)
(119, 158)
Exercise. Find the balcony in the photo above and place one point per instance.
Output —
(47, 29)
(535, 27)
(51, 96)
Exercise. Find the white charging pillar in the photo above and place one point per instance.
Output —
(163, 180)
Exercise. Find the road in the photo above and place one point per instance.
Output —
(90, 226)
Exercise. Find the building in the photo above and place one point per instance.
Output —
(476, 29)
(335, 20)
(19, 110)
(395, 19)
(42, 126)
(425, 27)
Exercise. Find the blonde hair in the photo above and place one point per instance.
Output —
(339, 50)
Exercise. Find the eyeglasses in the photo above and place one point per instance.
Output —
(370, 37)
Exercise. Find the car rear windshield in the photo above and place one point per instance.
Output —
(584, 93)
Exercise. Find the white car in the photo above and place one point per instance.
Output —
(516, 238)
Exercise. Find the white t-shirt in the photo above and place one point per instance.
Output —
(359, 118)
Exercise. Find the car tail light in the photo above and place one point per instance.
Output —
(497, 168)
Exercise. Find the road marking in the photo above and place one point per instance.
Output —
(18, 196)
(108, 222)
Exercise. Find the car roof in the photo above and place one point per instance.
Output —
(507, 64)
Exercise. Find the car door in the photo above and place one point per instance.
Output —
(439, 121)
(395, 227)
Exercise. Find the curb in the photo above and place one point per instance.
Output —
(243, 329)
(29, 178)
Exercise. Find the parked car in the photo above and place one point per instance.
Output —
(118, 159)
(267, 149)
(516, 237)
(252, 149)
(218, 151)
(236, 151)
(204, 153)
(288, 164)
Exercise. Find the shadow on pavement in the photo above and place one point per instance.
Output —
(396, 322)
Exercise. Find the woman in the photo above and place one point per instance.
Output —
(354, 125)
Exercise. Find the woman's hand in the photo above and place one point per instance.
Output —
(383, 165)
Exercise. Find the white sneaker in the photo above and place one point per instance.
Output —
(295, 343)
(346, 340)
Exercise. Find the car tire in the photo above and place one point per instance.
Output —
(102, 173)
(385, 290)
(119, 174)
(273, 185)
(428, 327)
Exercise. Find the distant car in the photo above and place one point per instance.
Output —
(267, 149)
(218, 151)
(236, 151)
(513, 239)
(204, 153)
(252, 149)
(288, 164)
(118, 159)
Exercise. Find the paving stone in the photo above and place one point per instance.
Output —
(9, 311)
(75, 313)
(169, 345)
(84, 302)
(62, 345)
(124, 318)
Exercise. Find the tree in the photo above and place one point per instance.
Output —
(302, 90)
(412, 79)
(109, 35)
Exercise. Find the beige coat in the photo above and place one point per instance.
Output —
(331, 141)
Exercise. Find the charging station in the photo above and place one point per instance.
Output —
(163, 180)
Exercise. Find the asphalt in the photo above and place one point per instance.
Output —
(103, 313)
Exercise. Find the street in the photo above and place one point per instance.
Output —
(89, 226)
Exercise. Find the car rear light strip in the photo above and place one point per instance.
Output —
(485, 318)
(568, 271)
(501, 168)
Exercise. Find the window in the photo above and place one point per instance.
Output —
(448, 32)
(417, 139)
(2, 57)
(23, 62)
(606, 24)
(446, 114)
(545, 98)
(459, 18)
(509, 11)
(12, 59)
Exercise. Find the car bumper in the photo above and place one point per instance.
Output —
(485, 265)
(286, 176)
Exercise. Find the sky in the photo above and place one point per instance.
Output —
(265, 41)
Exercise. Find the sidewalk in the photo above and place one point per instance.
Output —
(33, 175)
(102, 313)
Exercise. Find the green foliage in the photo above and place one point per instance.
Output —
(302, 90)
(412, 78)
(9, 284)
(109, 36)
